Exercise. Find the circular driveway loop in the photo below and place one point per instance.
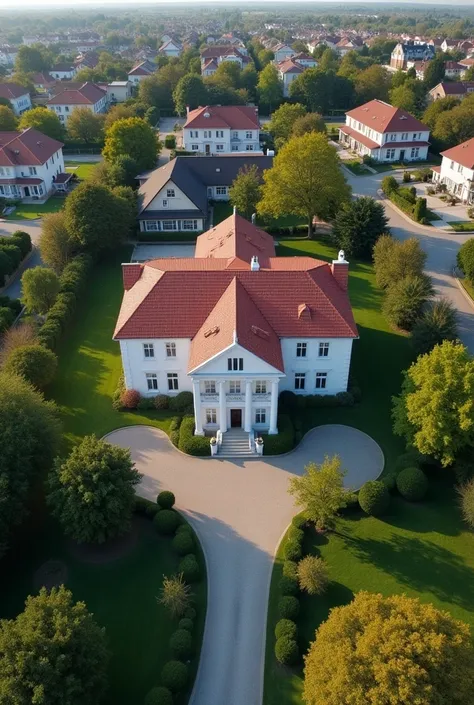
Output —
(239, 510)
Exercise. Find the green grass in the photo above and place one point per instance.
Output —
(379, 356)
(468, 287)
(356, 166)
(83, 170)
(460, 226)
(223, 209)
(32, 211)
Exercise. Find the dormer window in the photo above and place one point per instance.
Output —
(235, 364)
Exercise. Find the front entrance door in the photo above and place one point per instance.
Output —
(236, 418)
(27, 191)
(402, 155)
(208, 149)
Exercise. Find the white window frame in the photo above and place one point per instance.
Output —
(221, 190)
(300, 381)
(189, 225)
(220, 134)
(164, 203)
(323, 350)
(390, 153)
(152, 226)
(261, 386)
(148, 351)
(165, 225)
(173, 381)
(210, 386)
(415, 152)
(211, 417)
(235, 387)
(235, 364)
(32, 170)
(151, 381)
(219, 147)
(301, 349)
(249, 135)
(249, 147)
(322, 378)
(170, 193)
(261, 416)
(170, 349)
(194, 147)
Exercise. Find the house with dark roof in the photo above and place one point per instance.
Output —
(411, 51)
(141, 71)
(87, 95)
(236, 325)
(456, 89)
(222, 129)
(63, 72)
(175, 197)
(457, 171)
(385, 133)
(216, 54)
(18, 96)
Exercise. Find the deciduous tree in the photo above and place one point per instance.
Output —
(40, 289)
(44, 121)
(269, 88)
(434, 72)
(358, 226)
(191, 92)
(132, 137)
(85, 126)
(281, 124)
(31, 59)
(8, 121)
(246, 190)
(437, 323)
(436, 107)
(456, 125)
(405, 300)
(311, 122)
(35, 363)
(395, 259)
(372, 83)
(55, 244)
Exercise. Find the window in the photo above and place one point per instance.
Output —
(149, 349)
(249, 135)
(451, 166)
(2, 171)
(170, 349)
(235, 363)
(235, 135)
(321, 379)
(172, 381)
(249, 147)
(219, 147)
(165, 203)
(190, 225)
(211, 416)
(415, 151)
(260, 387)
(151, 381)
(235, 147)
(209, 387)
(301, 349)
(168, 225)
(323, 349)
(234, 387)
(32, 170)
(66, 109)
(170, 193)
(300, 378)
(404, 136)
(193, 133)
(207, 134)
(460, 168)
(393, 137)
(221, 190)
(260, 416)
(390, 154)
(152, 225)
(58, 108)
(220, 133)
(194, 147)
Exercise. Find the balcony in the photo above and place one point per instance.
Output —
(262, 397)
(235, 139)
(210, 396)
(235, 397)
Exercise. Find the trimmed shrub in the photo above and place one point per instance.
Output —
(189, 567)
(406, 177)
(184, 529)
(166, 521)
(49, 334)
(175, 676)
(292, 550)
(129, 398)
(390, 481)
(186, 623)
(295, 534)
(420, 211)
(146, 404)
(290, 570)
(466, 501)
(166, 499)
(190, 613)
(286, 627)
(284, 441)
(21, 240)
(161, 401)
(181, 401)
(117, 395)
(158, 696)
(6, 318)
(374, 498)
(170, 142)
(286, 651)
(181, 644)
(188, 442)
(288, 586)
(75, 274)
(288, 607)
(412, 484)
(287, 400)
(183, 543)
(410, 459)
(465, 258)
(389, 184)
(299, 521)
(175, 424)
(313, 575)
(145, 507)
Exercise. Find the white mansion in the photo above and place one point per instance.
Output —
(236, 325)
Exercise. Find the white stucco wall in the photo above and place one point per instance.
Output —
(179, 202)
(232, 140)
(136, 365)
(336, 365)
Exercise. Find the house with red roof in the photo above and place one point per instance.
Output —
(214, 56)
(457, 171)
(222, 129)
(18, 96)
(456, 89)
(236, 325)
(141, 71)
(385, 133)
(88, 95)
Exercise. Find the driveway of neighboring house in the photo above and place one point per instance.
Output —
(239, 510)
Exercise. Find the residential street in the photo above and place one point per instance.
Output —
(33, 227)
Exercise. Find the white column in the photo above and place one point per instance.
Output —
(274, 409)
(197, 408)
(248, 406)
(222, 408)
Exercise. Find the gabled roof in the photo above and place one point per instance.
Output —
(87, 94)
(28, 148)
(62, 68)
(453, 87)
(142, 69)
(235, 237)
(462, 154)
(234, 117)
(383, 117)
(290, 66)
(182, 177)
(10, 91)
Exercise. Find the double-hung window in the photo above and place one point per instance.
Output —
(301, 349)
(220, 133)
(415, 151)
(151, 381)
(249, 135)
(221, 190)
(209, 386)
(32, 170)
(249, 147)
(260, 387)
(234, 387)
(321, 380)
(300, 380)
(235, 364)
(390, 154)
(148, 349)
(172, 381)
(219, 147)
(260, 416)
(211, 416)
(323, 349)
(170, 349)
(194, 147)
(165, 203)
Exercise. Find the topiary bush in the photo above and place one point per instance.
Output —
(166, 499)
(181, 401)
(292, 550)
(313, 575)
(161, 401)
(288, 607)
(158, 696)
(189, 567)
(188, 442)
(299, 521)
(286, 627)
(190, 613)
(295, 534)
(390, 481)
(290, 569)
(146, 404)
(389, 184)
(170, 141)
(466, 501)
(406, 178)
(175, 424)
(145, 507)
(129, 399)
(412, 484)
(184, 529)
(288, 586)
(183, 543)
(186, 623)
(175, 676)
(286, 651)
(374, 498)
(166, 521)
(181, 644)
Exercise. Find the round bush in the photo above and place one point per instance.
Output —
(290, 570)
(183, 543)
(186, 623)
(313, 575)
(166, 522)
(190, 613)
(130, 398)
(34, 362)
(292, 551)
(286, 627)
(390, 481)
(295, 534)
(184, 529)
(158, 696)
(174, 676)
(189, 567)
(412, 484)
(288, 607)
(299, 521)
(161, 401)
(374, 498)
(181, 644)
(286, 651)
(166, 499)
(288, 586)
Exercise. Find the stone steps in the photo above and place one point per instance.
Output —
(235, 444)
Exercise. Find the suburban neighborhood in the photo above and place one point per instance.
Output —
(237, 354)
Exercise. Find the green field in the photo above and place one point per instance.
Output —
(83, 170)
(462, 226)
(31, 211)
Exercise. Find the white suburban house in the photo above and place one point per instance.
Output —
(141, 71)
(236, 325)
(171, 48)
(175, 197)
(212, 57)
(288, 70)
(63, 72)
(31, 165)
(411, 51)
(119, 91)
(89, 96)
(347, 44)
(282, 52)
(221, 129)
(457, 171)
(18, 96)
(385, 133)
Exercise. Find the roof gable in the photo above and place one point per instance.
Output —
(234, 117)
(383, 117)
(235, 237)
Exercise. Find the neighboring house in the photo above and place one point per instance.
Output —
(141, 71)
(31, 165)
(385, 133)
(454, 70)
(328, 40)
(282, 52)
(305, 60)
(456, 89)
(218, 54)
(410, 51)
(346, 44)
(89, 95)
(175, 196)
(420, 68)
(466, 63)
(43, 81)
(88, 60)
(171, 48)
(288, 70)
(236, 325)
(119, 91)
(63, 72)
(457, 171)
(8, 55)
(209, 68)
(18, 96)
(449, 44)
(221, 129)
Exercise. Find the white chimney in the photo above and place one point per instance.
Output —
(254, 264)
(254, 218)
(235, 210)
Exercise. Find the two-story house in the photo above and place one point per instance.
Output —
(288, 70)
(282, 52)
(456, 89)
(457, 171)
(119, 91)
(410, 51)
(222, 129)
(63, 72)
(347, 44)
(141, 71)
(213, 56)
(18, 96)
(236, 325)
(89, 96)
(385, 133)
(31, 165)
(171, 48)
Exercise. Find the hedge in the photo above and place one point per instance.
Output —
(286, 627)
(166, 521)
(374, 498)
(175, 425)
(286, 651)
(145, 507)
(289, 401)
(189, 567)
(181, 644)
(283, 441)
(186, 236)
(181, 402)
(288, 607)
(159, 696)
(191, 444)
(9, 310)
(175, 675)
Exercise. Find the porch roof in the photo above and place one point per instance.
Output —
(21, 182)
(350, 132)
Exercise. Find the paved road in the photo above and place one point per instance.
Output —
(240, 510)
(33, 227)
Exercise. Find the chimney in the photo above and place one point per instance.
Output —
(254, 218)
(340, 270)
(254, 264)
(235, 210)
(187, 110)
(131, 273)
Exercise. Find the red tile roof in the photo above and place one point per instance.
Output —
(383, 117)
(359, 137)
(462, 154)
(87, 94)
(290, 66)
(235, 237)
(235, 117)
(28, 148)
(10, 91)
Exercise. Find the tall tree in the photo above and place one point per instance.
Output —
(329, 60)
(456, 125)
(435, 410)
(190, 92)
(53, 652)
(394, 259)
(269, 88)
(44, 121)
(31, 59)
(358, 226)
(281, 124)
(119, 112)
(311, 122)
(389, 650)
(305, 180)
(246, 190)
(372, 83)
(410, 96)
(40, 289)
(85, 126)
(322, 91)
(55, 244)
(438, 323)
(435, 108)
(135, 138)
(434, 72)
(8, 121)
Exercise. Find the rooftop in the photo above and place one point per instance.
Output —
(383, 117)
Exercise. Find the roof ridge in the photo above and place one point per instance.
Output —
(329, 299)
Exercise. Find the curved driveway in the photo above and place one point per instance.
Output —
(240, 510)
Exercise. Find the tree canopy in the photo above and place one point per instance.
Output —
(44, 121)
(40, 289)
(395, 259)
(269, 88)
(132, 137)
(311, 122)
(245, 191)
(283, 119)
(8, 121)
(35, 363)
(55, 244)
(85, 126)
(190, 91)
(358, 226)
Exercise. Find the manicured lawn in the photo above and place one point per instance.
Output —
(422, 550)
(461, 226)
(379, 356)
(356, 167)
(468, 287)
(37, 210)
(223, 210)
(83, 170)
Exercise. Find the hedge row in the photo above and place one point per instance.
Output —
(283, 441)
(289, 401)
(13, 250)
(131, 399)
(9, 310)
(188, 442)
(405, 199)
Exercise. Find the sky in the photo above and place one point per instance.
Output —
(20, 4)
